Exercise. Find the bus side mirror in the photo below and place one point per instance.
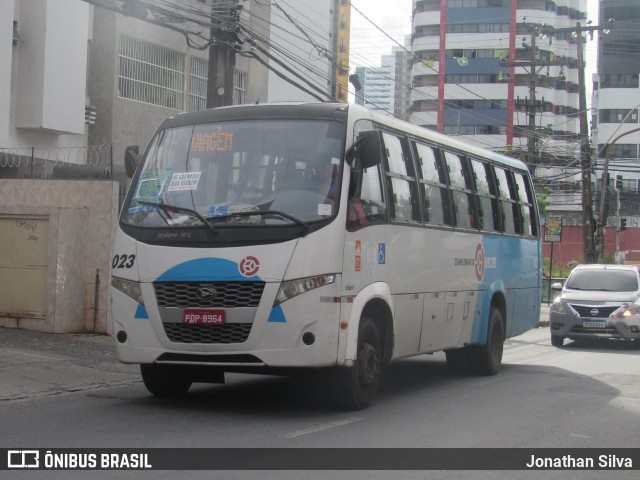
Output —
(365, 152)
(131, 160)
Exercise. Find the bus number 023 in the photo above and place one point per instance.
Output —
(123, 261)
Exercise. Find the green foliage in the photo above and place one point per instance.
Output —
(559, 270)
(542, 193)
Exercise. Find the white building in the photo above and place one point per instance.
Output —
(387, 89)
(43, 72)
(461, 87)
(128, 73)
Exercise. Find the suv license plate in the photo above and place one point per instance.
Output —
(203, 317)
(594, 324)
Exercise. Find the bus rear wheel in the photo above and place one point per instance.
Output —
(358, 384)
(487, 359)
(165, 380)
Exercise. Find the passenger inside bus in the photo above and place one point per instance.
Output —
(323, 177)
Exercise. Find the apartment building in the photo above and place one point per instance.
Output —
(474, 73)
(387, 89)
(616, 102)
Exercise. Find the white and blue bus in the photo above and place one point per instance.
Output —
(289, 238)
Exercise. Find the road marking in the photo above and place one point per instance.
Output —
(577, 435)
(26, 354)
(325, 426)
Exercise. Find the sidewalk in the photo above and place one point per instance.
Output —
(544, 315)
(34, 364)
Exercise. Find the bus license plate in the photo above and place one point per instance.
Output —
(203, 317)
(593, 324)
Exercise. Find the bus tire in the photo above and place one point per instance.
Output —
(358, 384)
(487, 359)
(165, 380)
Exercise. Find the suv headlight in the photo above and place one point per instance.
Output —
(557, 306)
(627, 311)
(293, 288)
(130, 288)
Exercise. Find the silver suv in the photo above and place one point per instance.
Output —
(591, 303)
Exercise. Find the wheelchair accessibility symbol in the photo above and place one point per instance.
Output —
(382, 255)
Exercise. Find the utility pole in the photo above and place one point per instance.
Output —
(588, 227)
(222, 57)
(534, 66)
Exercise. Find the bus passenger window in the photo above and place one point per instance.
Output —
(401, 179)
(488, 215)
(433, 186)
(527, 212)
(508, 218)
(527, 217)
(463, 209)
(368, 205)
(435, 207)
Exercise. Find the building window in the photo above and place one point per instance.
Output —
(240, 83)
(618, 116)
(619, 81)
(198, 75)
(151, 74)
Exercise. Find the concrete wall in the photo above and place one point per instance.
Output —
(81, 216)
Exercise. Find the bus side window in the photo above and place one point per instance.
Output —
(507, 202)
(435, 196)
(488, 211)
(461, 191)
(527, 211)
(366, 203)
(401, 179)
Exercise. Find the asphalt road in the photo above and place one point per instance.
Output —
(68, 391)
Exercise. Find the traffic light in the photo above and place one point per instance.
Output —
(623, 224)
(618, 182)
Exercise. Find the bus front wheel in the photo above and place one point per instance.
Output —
(165, 380)
(358, 384)
(487, 359)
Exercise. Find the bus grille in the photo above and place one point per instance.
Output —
(226, 294)
(228, 333)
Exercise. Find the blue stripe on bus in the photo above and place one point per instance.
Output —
(514, 258)
(141, 313)
(205, 269)
(277, 315)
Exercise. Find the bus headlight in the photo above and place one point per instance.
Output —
(130, 288)
(293, 288)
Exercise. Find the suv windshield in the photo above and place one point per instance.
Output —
(246, 172)
(603, 280)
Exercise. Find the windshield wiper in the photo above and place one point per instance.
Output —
(165, 207)
(297, 221)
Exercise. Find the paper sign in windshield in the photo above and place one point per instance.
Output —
(184, 181)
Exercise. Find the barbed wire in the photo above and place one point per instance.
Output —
(93, 156)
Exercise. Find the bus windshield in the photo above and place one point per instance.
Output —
(257, 172)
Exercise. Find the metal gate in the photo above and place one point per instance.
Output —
(23, 265)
